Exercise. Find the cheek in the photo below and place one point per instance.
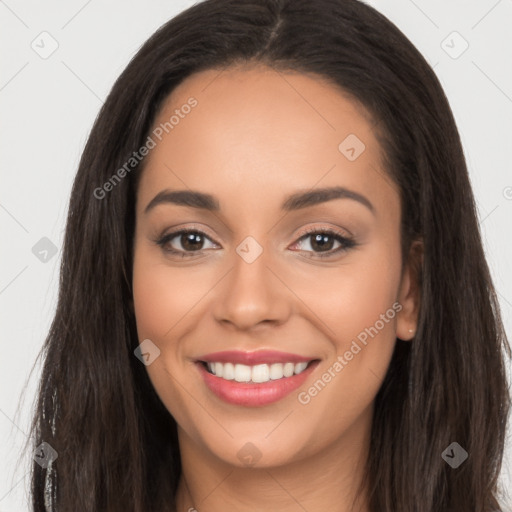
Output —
(156, 300)
(352, 297)
(164, 295)
(358, 310)
(161, 298)
(168, 302)
(370, 294)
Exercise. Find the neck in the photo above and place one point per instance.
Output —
(328, 480)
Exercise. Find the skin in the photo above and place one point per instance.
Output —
(255, 137)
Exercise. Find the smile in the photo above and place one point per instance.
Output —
(254, 379)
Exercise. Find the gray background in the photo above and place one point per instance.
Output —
(48, 106)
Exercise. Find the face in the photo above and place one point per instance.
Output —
(284, 273)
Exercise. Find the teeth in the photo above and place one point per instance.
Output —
(219, 369)
(299, 367)
(288, 369)
(258, 373)
(242, 373)
(228, 371)
(276, 371)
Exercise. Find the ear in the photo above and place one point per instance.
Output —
(409, 293)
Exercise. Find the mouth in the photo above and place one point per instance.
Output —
(257, 384)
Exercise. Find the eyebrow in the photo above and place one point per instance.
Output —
(297, 201)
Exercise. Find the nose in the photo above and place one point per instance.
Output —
(253, 295)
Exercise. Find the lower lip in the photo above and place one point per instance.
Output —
(251, 394)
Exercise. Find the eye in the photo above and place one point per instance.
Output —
(321, 242)
(184, 242)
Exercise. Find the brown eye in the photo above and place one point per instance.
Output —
(324, 243)
(191, 241)
(184, 242)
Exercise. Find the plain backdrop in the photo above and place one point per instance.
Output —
(49, 102)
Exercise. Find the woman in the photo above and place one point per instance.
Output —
(335, 341)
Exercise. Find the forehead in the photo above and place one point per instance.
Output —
(272, 131)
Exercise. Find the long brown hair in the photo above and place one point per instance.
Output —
(116, 442)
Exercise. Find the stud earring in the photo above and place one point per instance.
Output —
(411, 330)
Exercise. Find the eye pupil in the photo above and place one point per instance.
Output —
(191, 241)
(321, 240)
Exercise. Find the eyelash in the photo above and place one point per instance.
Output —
(346, 242)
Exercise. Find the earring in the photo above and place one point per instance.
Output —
(411, 330)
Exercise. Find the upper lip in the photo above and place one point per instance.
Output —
(253, 358)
